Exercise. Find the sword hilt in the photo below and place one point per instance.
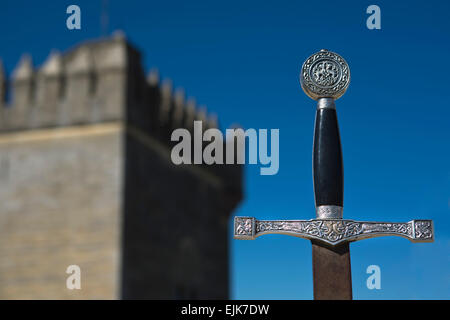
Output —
(328, 173)
(325, 77)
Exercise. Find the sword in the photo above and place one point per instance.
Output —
(325, 77)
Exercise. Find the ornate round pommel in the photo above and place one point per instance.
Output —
(325, 74)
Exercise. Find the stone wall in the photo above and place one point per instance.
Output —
(175, 227)
(60, 200)
(86, 179)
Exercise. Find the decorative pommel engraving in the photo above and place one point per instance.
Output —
(325, 74)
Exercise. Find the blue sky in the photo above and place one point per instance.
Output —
(242, 60)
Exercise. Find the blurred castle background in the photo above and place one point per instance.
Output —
(86, 179)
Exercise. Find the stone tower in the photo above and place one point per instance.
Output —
(86, 179)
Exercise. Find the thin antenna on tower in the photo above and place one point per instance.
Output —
(104, 18)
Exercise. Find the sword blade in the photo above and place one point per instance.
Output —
(331, 271)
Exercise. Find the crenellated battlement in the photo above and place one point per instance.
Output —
(86, 84)
(94, 82)
(101, 81)
(164, 109)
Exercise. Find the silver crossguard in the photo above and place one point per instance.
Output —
(333, 231)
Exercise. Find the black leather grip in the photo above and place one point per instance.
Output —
(328, 169)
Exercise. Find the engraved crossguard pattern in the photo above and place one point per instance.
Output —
(333, 231)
